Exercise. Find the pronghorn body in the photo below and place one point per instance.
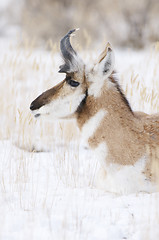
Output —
(124, 141)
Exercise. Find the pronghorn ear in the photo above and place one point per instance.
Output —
(106, 61)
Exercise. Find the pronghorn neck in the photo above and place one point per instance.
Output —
(112, 101)
(109, 119)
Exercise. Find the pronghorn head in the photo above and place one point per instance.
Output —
(67, 97)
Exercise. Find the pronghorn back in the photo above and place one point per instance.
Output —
(124, 141)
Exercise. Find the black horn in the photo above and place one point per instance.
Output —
(69, 54)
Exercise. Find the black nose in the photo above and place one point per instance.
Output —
(32, 106)
(36, 104)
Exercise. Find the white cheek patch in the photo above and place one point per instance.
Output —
(97, 82)
(96, 87)
(92, 124)
(62, 107)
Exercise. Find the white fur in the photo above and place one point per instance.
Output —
(92, 124)
(106, 63)
(124, 179)
(61, 107)
(96, 86)
(101, 153)
(118, 178)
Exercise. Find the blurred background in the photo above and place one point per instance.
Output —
(125, 23)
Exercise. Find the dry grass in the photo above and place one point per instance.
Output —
(25, 74)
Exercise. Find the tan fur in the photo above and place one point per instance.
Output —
(128, 135)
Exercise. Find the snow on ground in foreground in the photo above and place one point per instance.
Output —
(38, 202)
(47, 174)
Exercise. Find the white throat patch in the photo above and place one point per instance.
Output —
(92, 124)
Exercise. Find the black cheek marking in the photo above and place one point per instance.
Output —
(81, 105)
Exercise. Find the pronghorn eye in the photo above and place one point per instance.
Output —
(72, 83)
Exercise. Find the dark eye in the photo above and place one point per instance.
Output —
(72, 83)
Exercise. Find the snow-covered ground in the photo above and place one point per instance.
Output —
(47, 174)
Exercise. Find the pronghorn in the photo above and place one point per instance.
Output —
(124, 141)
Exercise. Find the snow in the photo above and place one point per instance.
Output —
(46, 173)
(38, 203)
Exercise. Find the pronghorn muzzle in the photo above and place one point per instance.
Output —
(46, 97)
